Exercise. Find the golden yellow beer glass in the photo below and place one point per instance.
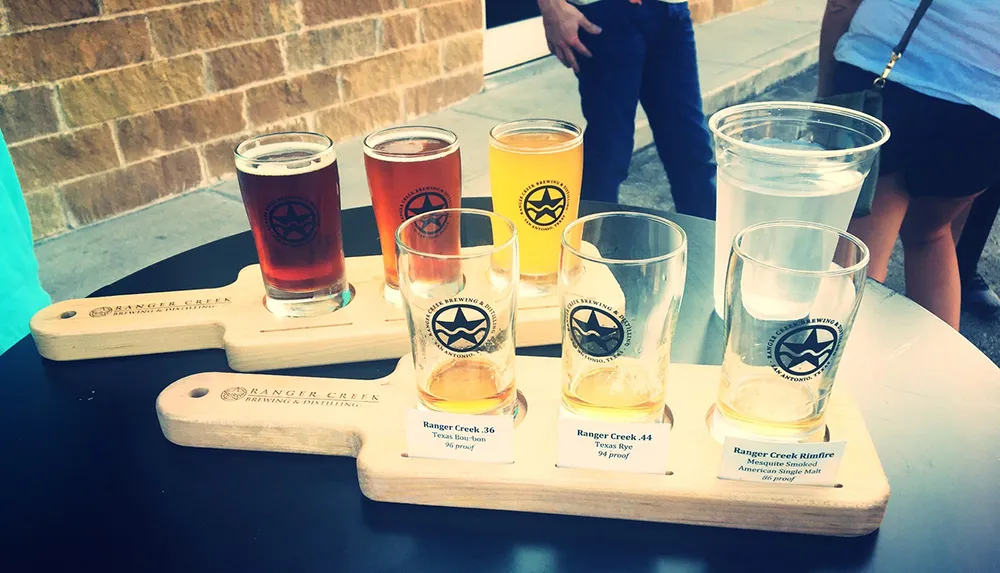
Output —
(536, 167)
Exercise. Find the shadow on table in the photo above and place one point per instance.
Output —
(567, 543)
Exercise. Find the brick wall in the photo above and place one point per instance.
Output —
(109, 105)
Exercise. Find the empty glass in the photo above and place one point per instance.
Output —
(792, 292)
(459, 289)
(621, 281)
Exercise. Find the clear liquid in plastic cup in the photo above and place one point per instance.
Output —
(788, 161)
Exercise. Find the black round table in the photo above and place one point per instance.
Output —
(90, 484)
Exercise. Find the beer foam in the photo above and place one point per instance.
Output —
(408, 144)
(285, 158)
(535, 139)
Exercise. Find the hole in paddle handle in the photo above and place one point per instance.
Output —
(68, 314)
(198, 392)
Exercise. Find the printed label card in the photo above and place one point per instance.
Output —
(772, 462)
(459, 436)
(624, 447)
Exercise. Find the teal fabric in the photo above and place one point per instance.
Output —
(22, 293)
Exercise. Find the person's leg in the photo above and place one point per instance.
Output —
(977, 297)
(952, 160)
(929, 250)
(671, 97)
(976, 230)
(880, 229)
(958, 225)
(609, 96)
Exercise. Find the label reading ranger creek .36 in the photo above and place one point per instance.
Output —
(459, 437)
(770, 462)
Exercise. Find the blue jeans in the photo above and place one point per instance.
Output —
(645, 53)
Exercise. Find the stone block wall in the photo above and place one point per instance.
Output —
(109, 105)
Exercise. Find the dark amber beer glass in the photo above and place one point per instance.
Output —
(291, 191)
(411, 170)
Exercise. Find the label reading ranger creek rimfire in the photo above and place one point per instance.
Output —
(460, 437)
(635, 447)
(770, 462)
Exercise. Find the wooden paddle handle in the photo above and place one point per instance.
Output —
(131, 324)
(273, 413)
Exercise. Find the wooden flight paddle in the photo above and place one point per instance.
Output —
(365, 419)
(234, 318)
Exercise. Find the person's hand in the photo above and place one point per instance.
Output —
(562, 25)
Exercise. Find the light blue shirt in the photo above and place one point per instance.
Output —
(954, 54)
(22, 293)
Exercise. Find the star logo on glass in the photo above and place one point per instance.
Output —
(805, 350)
(461, 327)
(595, 331)
(544, 205)
(293, 222)
(427, 202)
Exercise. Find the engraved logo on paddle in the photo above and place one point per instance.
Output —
(233, 394)
(158, 307)
(803, 350)
(544, 204)
(294, 396)
(101, 311)
(426, 200)
(461, 325)
(293, 221)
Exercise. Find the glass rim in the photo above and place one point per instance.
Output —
(327, 140)
(717, 118)
(635, 214)
(862, 247)
(552, 124)
(460, 256)
(368, 145)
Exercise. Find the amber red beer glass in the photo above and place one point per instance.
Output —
(411, 170)
(291, 191)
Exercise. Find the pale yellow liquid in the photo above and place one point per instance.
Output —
(615, 394)
(768, 405)
(468, 386)
(511, 172)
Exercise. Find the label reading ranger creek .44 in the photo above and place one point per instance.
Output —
(634, 447)
(770, 462)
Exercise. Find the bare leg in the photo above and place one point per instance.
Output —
(929, 248)
(976, 232)
(958, 225)
(880, 229)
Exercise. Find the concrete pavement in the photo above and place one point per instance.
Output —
(740, 55)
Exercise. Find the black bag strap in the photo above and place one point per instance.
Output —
(921, 10)
(897, 52)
